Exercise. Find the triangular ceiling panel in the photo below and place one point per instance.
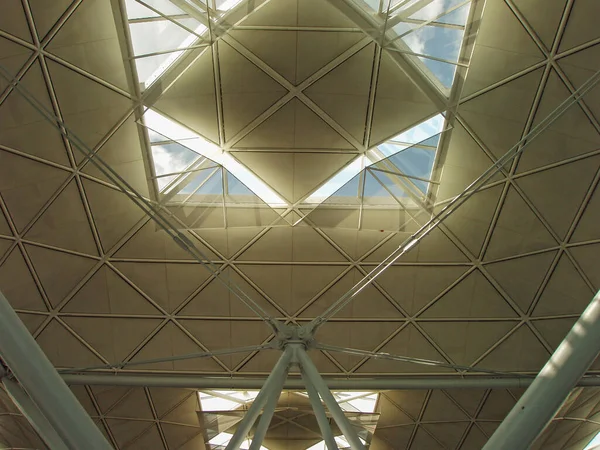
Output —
(544, 21)
(247, 91)
(65, 224)
(570, 135)
(228, 241)
(521, 351)
(167, 284)
(423, 439)
(498, 117)
(558, 202)
(496, 406)
(474, 440)
(166, 399)
(108, 396)
(185, 413)
(465, 342)
(471, 221)
(113, 212)
(345, 98)
(125, 432)
(518, 230)
(89, 109)
(395, 436)
(46, 14)
(114, 338)
(107, 293)
(172, 341)
(63, 349)
(474, 296)
(554, 330)
(502, 48)
(415, 287)
(178, 435)
(355, 243)
(59, 272)
(579, 67)
(5, 244)
(468, 399)
(522, 277)
(293, 126)
(191, 100)
(449, 434)
(409, 342)
(133, 405)
(587, 258)
(13, 57)
(399, 104)
(565, 293)
(18, 285)
(4, 227)
(440, 408)
(24, 128)
(94, 49)
(581, 26)
(13, 20)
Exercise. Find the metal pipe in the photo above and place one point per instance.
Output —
(342, 384)
(538, 405)
(267, 415)
(33, 415)
(321, 416)
(314, 377)
(43, 384)
(259, 402)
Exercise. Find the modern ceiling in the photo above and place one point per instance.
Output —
(294, 92)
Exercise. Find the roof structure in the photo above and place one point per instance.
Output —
(296, 144)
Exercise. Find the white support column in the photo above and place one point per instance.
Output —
(45, 387)
(319, 410)
(538, 405)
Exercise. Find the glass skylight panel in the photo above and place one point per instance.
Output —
(221, 440)
(594, 443)
(337, 181)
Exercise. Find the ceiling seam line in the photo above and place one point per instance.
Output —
(96, 406)
(81, 340)
(60, 250)
(259, 290)
(415, 429)
(196, 341)
(384, 293)
(498, 343)
(542, 287)
(543, 341)
(493, 221)
(554, 165)
(156, 418)
(521, 255)
(31, 157)
(140, 346)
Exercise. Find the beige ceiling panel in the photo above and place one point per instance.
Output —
(475, 440)
(168, 284)
(316, 49)
(440, 408)
(518, 230)
(114, 338)
(496, 406)
(464, 342)
(355, 243)
(113, 212)
(310, 171)
(413, 287)
(123, 153)
(45, 14)
(4, 227)
(471, 221)
(230, 241)
(85, 400)
(58, 272)
(579, 67)
(411, 401)
(89, 109)
(325, 216)
(292, 244)
(178, 435)
(294, 126)
(468, 399)
(134, 405)
(473, 297)
(587, 258)
(167, 399)
(344, 92)
(185, 412)
(273, 168)
(274, 14)
(291, 286)
(13, 20)
(12, 58)
(196, 443)
(150, 438)
(399, 105)
(127, 431)
(394, 437)
(581, 26)
(570, 135)
(63, 349)
(543, 16)
(557, 193)
(108, 396)
(361, 335)
(448, 434)
(172, 341)
(107, 293)
(583, 435)
(247, 91)
(502, 48)
(498, 117)
(31, 321)
(151, 242)
(565, 293)
(215, 300)
(276, 48)
(463, 162)
(219, 335)
(5, 244)
(89, 41)
(18, 285)
(191, 100)
(322, 14)
(263, 363)
(521, 278)
(409, 342)
(521, 351)
(65, 224)
(391, 413)
(24, 128)
(554, 330)
(423, 439)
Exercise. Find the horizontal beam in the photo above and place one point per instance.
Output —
(377, 384)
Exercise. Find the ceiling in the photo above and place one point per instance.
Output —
(497, 285)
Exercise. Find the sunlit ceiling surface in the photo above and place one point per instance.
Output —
(291, 94)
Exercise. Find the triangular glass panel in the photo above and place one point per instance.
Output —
(376, 192)
(348, 193)
(170, 158)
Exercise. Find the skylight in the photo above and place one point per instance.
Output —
(594, 443)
